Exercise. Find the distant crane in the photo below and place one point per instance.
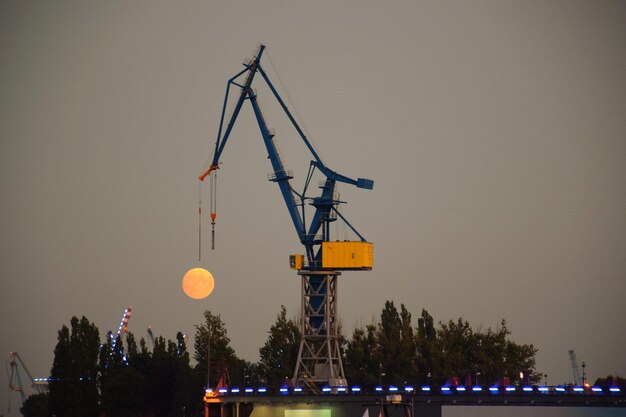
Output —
(575, 371)
(151, 336)
(122, 328)
(13, 363)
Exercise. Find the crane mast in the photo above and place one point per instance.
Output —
(319, 359)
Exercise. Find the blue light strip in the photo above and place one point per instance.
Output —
(445, 390)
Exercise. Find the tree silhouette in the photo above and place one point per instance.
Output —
(391, 352)
(74, 384)
(280, 352)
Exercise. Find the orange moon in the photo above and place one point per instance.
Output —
(198, 283)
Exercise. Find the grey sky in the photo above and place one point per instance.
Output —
(494, 131)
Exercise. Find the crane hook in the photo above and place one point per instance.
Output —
(213, 231)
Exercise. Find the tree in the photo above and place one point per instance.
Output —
(489, 356)
(362, 357)
(397, 346)
(407, 340)
(427, 354)
(456, 356)
(123, 392)
(426, 349)
(279, 354)
(153, 383)
(212, 337)
(74, 385)
(36, 405)
(183, 399)
(122, 386)
(500, 357)
(383, 352)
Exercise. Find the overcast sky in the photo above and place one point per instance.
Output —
(494, 132)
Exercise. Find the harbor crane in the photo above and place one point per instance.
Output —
(319, 359)
(122, 329)
(151, 336)
(582, 380)
(13, 364)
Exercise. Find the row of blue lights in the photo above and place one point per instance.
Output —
(427, 389)
(525, 389)
(48, 380)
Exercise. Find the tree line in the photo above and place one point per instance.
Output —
(122, 378)
(393, 352)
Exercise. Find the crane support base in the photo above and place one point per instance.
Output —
(319, 357)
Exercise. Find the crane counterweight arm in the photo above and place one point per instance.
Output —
(335, 176)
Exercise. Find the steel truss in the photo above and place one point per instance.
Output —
(319, 357)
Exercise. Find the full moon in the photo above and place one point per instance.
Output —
(198, 283)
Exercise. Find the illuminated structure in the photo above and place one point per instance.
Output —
(407, 401)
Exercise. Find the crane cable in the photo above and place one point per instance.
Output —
(199, 221)
(213, 188)
(292, 104)
(213, 208)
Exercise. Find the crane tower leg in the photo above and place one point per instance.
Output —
(319, 357)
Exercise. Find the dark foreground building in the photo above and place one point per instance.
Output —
(440, 402)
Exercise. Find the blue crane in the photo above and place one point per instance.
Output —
(325, 205)
(323, 257)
